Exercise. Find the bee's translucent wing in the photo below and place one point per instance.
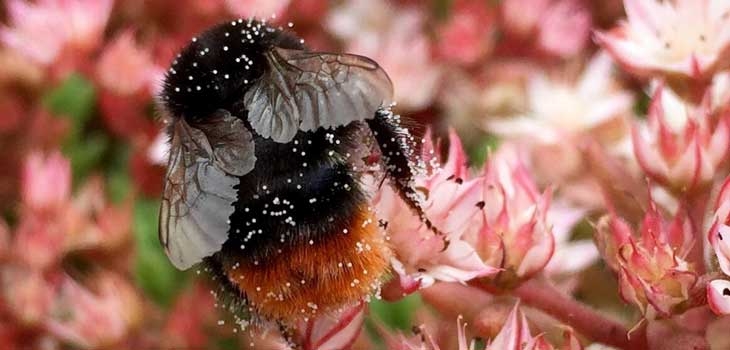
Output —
(308, 90)
(197, 200)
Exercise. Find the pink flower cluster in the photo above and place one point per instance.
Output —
(500, 229)
(42, 282)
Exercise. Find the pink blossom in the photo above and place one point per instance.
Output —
(53, 223)
(42, 30)
(515, 234)
(35, 30)
(558, 27)
(94, 319)
(565, 28)
(679, 40)
(125, 67)
(338, 330)
(570, 257)
(92, 223)
(680, 146)
(515, 335)
(258, 8)
(192, 311)
(719, 232)
(46, 181)
(469, 33)
(398, 43)
(39, 242)
(522, 17)
(423, 257)
(653, 272)
(494, 219)
(560, 108)
(27, 293)
(718, 296)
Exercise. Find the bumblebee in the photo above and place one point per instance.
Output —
(264, 178)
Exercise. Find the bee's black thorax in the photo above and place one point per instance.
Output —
(214, 70)
(298, 193)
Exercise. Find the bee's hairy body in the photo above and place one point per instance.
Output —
(302, 237)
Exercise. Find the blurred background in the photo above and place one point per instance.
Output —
(82, 157)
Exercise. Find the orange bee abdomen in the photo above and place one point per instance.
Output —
(315, 276)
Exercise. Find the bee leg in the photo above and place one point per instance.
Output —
(397, 158)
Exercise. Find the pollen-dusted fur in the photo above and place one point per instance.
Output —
(301, 239)
(309, 279)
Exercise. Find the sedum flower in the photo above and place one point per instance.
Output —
(46, 182)
(338, 330)
(398, 43)
(262, 9)
(126, 68)
(191, 313)
(422, 257)
(559, 108)
(44, 29)
(494, 222)
(515, 335)
(558, 27)
(718, 296)
(515, 234)
(681, 147)
(680, 40)
(469, 33)
(653, 272)
(94, 317)
(570, 256)
(565, 28)
(719, 232)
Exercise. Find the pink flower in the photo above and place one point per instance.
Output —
(718, 296)
(94, 319)
(423, 257)
(494, 219)
(521, 17)
(27, 294)
(469, 33)
(53, 223)
(681, 147)
(44, 29)
(570, 257)
(719, 232)
(126, 68)
(258, 8)
(515, 234)
(560, 108)
(679, 40)
(558, 27)
(396, 42)
(192, 312)
(128, 78)
(46, 182)
(515, 335)
(39, 242)
(653, 272)
(35, 30)
(338, 330)
(565, 28)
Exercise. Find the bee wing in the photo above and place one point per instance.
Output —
(197, 200)
(308, 90)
